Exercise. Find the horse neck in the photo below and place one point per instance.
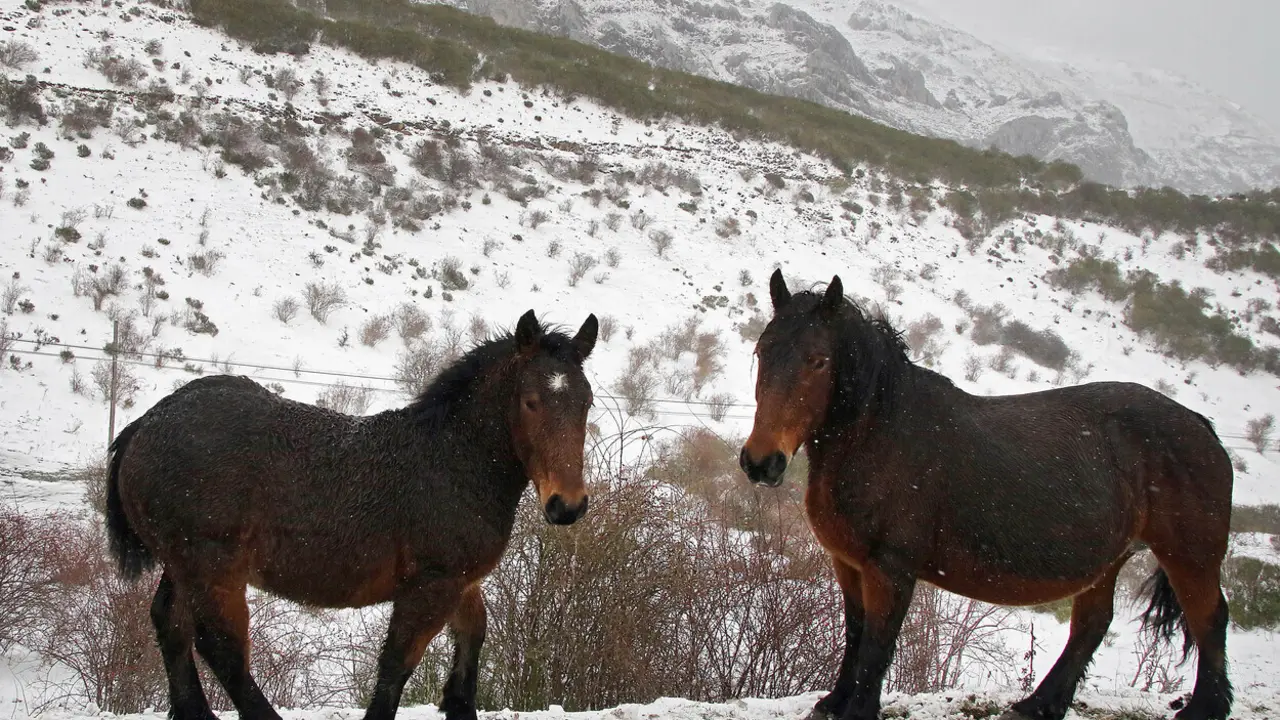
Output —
(473, 443)
(876, 418)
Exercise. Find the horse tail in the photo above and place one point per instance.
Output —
(1164, 614)
(132, 556)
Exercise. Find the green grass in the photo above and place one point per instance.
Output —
(449, 43)
(1179, 322)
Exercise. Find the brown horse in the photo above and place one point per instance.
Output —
(228, 485)
(1012, 500)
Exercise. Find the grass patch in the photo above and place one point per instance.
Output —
(1179, 322)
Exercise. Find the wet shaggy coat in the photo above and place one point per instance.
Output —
(226, 484)
(1015, 499)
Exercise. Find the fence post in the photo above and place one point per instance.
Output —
(115, 380)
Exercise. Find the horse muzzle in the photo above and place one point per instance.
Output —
(558, 512)
(767, 472)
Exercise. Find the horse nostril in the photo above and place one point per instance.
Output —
(774, 467)
(744, 462)
(559, 513)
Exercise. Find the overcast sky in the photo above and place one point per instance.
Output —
(1229, 46)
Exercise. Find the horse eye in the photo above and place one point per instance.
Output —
(818, 362)
(530, 404)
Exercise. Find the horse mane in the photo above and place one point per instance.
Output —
(453, 385)
(872, 360)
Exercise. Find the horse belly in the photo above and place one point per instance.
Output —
(320, 575)
(1008, 588)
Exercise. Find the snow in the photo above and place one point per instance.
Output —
(47, 430)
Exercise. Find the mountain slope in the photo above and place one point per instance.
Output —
(194, 191)
(880, 61)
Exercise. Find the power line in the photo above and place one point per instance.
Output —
(225, 363)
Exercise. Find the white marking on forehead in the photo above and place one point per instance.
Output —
(558, 382)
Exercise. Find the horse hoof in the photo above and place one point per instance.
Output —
(1012, 714)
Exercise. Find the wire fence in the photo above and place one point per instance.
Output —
(679, 408)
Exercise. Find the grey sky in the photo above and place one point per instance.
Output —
(1228, 46)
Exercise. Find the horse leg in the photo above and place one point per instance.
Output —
(886, 596)
(416, 617)
(468, 626)
(1091, 614)
(175, 634)
(833, 705)
(222, 637)
(1205, 610)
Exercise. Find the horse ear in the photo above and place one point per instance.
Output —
(778, 291)
(834, 295)
(585, 341)
(528, 332)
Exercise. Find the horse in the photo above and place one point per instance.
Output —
(1014, 499)
(226, 485)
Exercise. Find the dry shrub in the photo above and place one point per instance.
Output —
(344, 398)
(922, 336)
(285, 309)
(608, 326)
(943, 637)
(100, 629)
(323, 298)
(28, 588)
(410, 322)
(420, 362)
(375, 330)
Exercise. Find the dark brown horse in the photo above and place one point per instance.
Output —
(1012, 500)
(227, 485)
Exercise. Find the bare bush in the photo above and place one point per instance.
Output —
(661, 240)
(121, 384)
(206, 262)
(477, 329)
(285, 309)
(323, 298)
(286, 82)
(972, 368)
(637, 388)
(579, 266)
(375, 330)
(728, 227)
(450, 274)
(410, 322)
(612, 257)
(1258, 431)
(125, 72)
(922, 336)
(6, 338)
(15, 54)
(718, 405)
(27, 577)
(419, 363)
(100, 630)
(640, 219)
(11, 294)
(612, 221)
(607, 326)
(944, 636)
(344, 398)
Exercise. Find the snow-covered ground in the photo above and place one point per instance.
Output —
(724, 241)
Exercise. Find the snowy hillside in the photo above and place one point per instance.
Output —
(324, 223)
(919, 74)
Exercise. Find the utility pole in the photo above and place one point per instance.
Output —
(115, 379)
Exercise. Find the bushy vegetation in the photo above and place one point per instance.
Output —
(450, 43)
(1180, 322)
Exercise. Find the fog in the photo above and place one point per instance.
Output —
(1227, 46)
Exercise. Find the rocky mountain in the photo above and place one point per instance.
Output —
(1122, 126)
